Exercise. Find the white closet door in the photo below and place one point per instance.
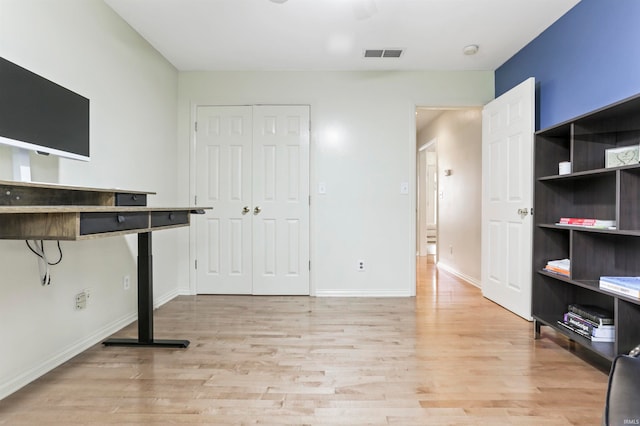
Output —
(223, 181)
(253, 169)
(281, 200)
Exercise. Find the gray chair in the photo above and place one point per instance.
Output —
(622, 405)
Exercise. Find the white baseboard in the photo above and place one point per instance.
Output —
(55, 360)
(185, 292)
(458, 274)
(12, 384)
(362, 293)
(166, 298)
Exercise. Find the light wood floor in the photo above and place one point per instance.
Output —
(445, 357)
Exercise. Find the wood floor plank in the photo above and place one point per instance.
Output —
(446, 357)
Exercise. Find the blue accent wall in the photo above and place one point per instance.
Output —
(587, 59)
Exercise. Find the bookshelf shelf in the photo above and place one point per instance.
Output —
(588, 173)
(627, 232)
(590, 191)
(605, 350)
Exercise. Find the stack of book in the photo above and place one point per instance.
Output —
(587, 223)
(560, 266)
(628, 286)
(590, 322)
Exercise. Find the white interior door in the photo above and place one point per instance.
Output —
(281, 200)
(223, 180)
(432, 200)
(507, 193)
(427, 198)
(423, 202)
(252, 166)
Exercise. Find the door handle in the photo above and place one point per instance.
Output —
(245, 210)
(523, 212)
(257, 210)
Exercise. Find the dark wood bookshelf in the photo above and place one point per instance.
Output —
(590, 191)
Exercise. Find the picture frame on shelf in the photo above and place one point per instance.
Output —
(622, 156)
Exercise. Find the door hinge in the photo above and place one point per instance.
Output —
(531, 211)
(195, 200)
(309, 265)
(196, 263)
(196, 126)
(309, 199)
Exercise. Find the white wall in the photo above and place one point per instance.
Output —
(459, 135)
(363, 145)
(85, 46)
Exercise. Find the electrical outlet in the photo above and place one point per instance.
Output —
(126, 282)
(81, 301)
(360, 265)
(404, 187)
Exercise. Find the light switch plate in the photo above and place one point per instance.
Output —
(404, 188)
(322, 188)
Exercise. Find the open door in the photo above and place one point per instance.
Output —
(508, 125)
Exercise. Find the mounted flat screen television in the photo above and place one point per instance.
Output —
(39, 115)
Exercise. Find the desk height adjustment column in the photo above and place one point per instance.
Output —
(145, 302)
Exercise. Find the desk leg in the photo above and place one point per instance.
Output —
(145, 302)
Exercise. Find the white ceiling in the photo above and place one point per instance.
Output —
(332, 34)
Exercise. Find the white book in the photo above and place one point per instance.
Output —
(620, 289)
(560, 263)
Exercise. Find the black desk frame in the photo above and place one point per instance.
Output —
(145, 302)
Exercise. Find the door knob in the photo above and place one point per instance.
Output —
(523, 212)
(257, 210)
(245, 210)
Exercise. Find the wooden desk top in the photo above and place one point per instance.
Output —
(87, 222)
(94, 209)
(57, 186)
(46, 194)
(45, 211)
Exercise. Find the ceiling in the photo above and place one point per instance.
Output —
(333, 34)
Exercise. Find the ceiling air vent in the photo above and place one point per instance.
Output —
(373, 53)
(383, 53)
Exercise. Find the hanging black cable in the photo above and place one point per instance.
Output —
(42, 251)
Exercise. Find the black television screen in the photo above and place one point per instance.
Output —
(40, 115)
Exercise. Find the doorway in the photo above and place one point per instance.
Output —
(427, 187)
(427, 183)
(449, 177)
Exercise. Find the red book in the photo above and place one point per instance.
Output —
(593, 223)
(577, 221)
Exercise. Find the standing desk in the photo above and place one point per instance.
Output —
(43, 211)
